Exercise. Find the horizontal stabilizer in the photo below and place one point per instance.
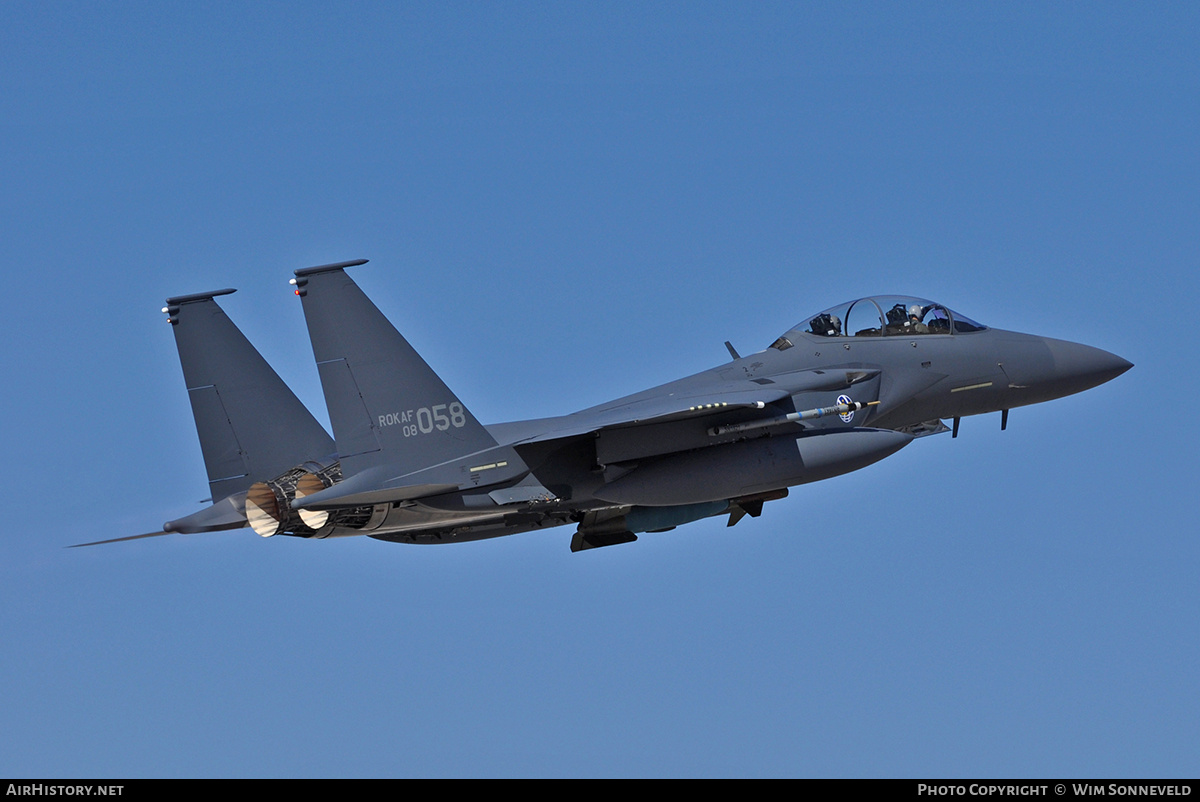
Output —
(228, 513)
(117, 540)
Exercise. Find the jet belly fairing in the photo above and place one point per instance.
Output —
(410, 463)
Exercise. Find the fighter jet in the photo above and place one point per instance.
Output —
(409, 463)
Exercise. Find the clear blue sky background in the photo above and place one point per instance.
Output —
(564, 203)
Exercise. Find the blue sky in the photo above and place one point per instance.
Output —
(564, 203)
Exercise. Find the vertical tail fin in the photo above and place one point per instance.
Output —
(251, 425)
(386, 405)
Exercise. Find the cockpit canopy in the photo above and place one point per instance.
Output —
(882, 316)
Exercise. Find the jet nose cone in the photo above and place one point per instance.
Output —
(1079, 367)
(1119, 366)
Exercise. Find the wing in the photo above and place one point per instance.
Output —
(672, 418)
(692, 405)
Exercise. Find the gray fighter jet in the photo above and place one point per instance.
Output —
(409, 463)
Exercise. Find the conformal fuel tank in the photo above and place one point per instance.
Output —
(753, 466)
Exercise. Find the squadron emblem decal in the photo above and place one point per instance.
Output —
(845, 416)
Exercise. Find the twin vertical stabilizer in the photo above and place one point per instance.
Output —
(386, 405)
(251, 425)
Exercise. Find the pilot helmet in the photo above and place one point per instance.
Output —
(916, 310)
(826, 325)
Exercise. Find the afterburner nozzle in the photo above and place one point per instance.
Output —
(269, 505)
(306, 485)
(265, 509)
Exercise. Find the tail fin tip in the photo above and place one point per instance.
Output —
(198, 296)
(312, 271)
